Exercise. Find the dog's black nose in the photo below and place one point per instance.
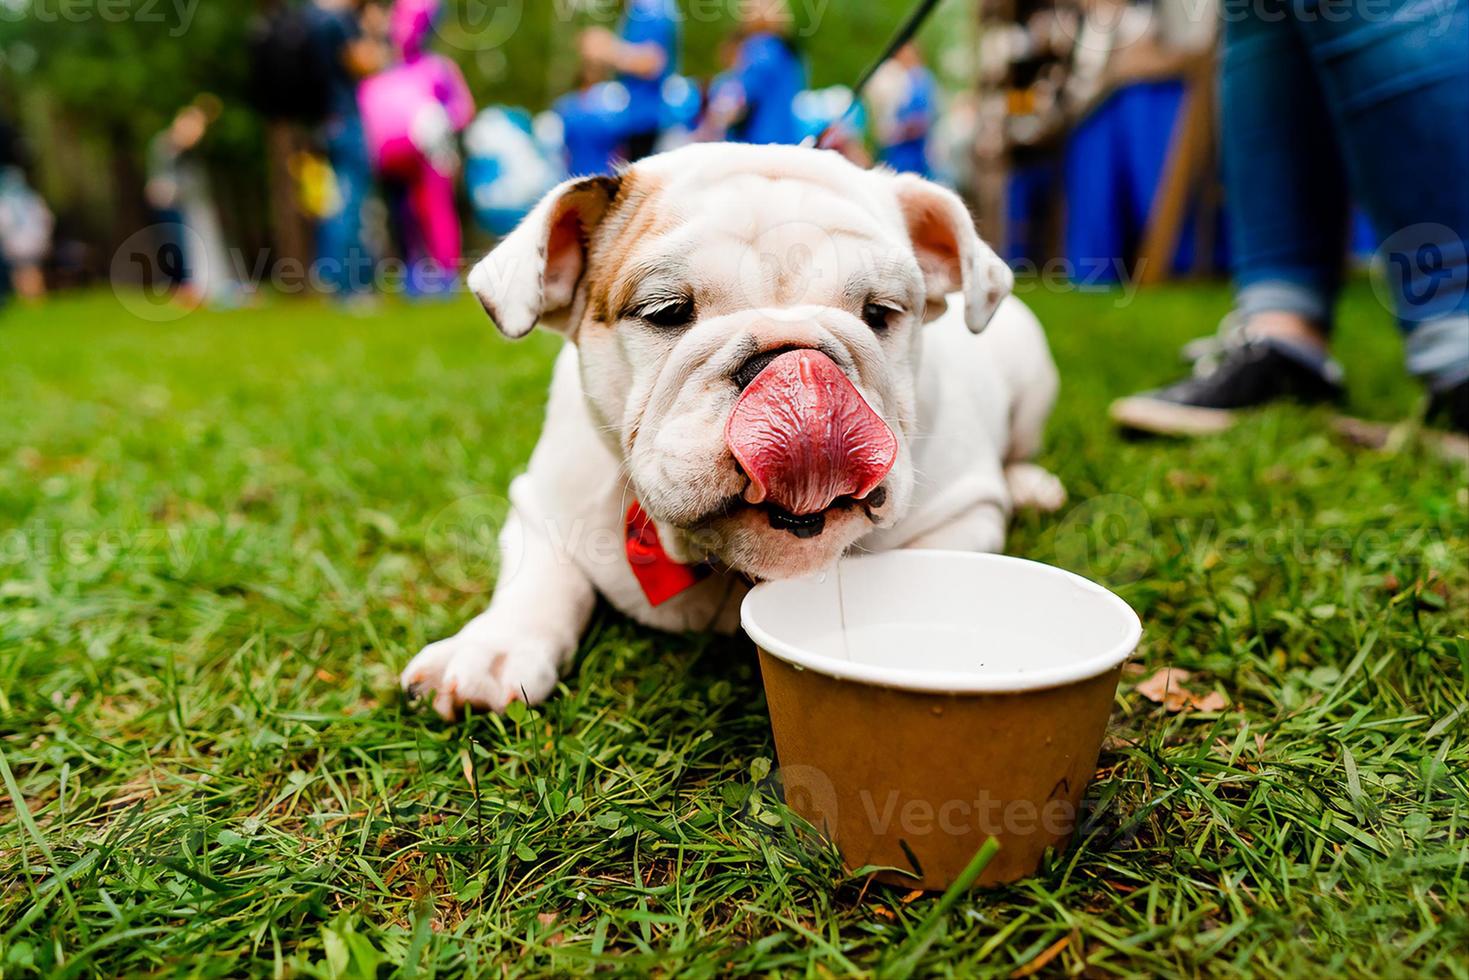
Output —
(750, 370)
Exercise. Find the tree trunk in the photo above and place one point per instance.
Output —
(129, 210)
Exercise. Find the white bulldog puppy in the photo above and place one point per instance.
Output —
(773, 357)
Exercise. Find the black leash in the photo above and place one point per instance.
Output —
(902, 36)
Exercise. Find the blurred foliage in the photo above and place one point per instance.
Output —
(125, 66)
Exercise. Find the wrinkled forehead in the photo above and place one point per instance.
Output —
(763, 239)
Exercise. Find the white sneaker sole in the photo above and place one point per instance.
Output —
(1144, 414)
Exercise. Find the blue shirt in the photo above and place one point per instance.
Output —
(593, 121)
(914, 119)
(649, 22)
(770, 76)
(331, 32)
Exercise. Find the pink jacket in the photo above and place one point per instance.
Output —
(421, 99)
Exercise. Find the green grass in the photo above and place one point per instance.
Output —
(218, 547)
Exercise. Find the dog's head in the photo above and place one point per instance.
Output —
(748, 322)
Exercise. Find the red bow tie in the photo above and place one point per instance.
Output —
(661, 577)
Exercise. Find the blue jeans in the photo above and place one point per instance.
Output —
(1029, 191)
(1326, 100)
(343, 264)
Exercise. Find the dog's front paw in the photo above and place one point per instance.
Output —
(1035, 487)
(485, 670)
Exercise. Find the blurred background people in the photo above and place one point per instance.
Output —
(1125, 89)
(345, 55)
(904, 99)
(178, 191)
(617, 109)
(1368, 104)
(1094, 103)
(511, 160)
(412, 114)
(829, 117)
(641, 56)
(25, 234)
(754, 101)
(11, 155)
(683, 102)
(1020, 126)
(591, 123)
(26, 224)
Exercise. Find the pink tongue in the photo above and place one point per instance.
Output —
(805, 437)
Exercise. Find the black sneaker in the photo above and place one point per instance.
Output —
(1245, 374)
(1450, 408)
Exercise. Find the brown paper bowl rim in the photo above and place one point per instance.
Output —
(951, 682)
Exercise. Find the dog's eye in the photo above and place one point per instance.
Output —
(677, 313)
(879, 316)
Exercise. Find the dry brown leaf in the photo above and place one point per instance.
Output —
(1166, 687)
(1213, 701)
(913, 896)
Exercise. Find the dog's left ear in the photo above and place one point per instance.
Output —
(532, 276)
(950, 251)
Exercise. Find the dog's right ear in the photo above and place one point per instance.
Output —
(950, 251)
(532, 276)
